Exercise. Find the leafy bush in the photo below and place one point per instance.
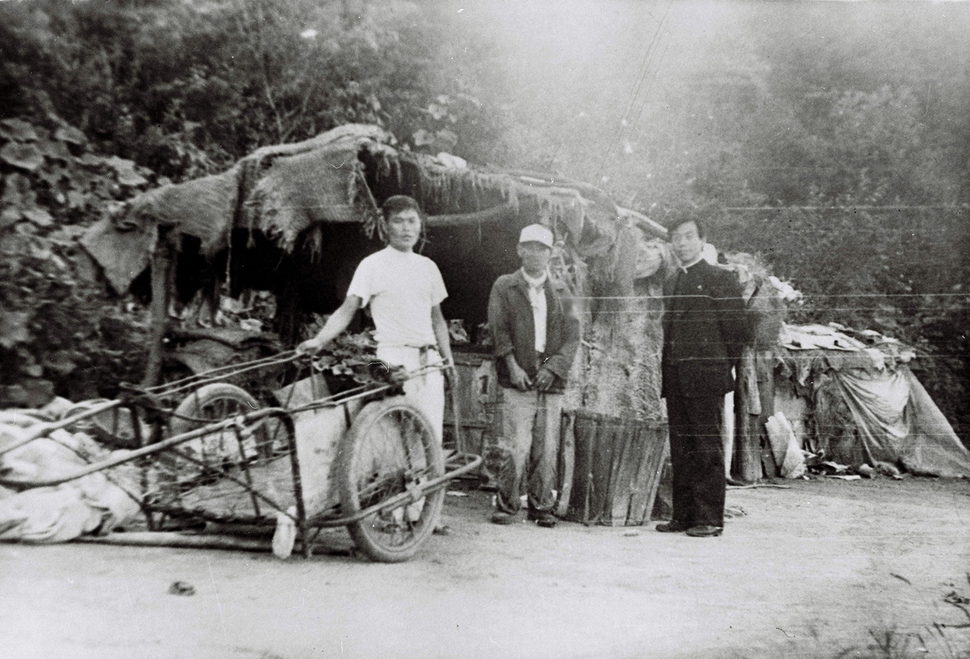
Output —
(60, 332)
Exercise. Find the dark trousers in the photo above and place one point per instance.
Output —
(697, 458)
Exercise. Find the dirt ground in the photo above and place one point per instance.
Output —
(808, 571)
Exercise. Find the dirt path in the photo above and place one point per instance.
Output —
(806, 572)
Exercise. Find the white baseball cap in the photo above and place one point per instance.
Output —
(536, 233)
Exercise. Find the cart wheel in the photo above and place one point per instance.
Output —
(389, 449)
(216, 402)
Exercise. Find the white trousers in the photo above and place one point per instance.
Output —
(426, 392)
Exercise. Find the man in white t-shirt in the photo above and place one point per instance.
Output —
(404, 291)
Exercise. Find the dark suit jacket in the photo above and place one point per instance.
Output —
(704, 331)
(513, 329)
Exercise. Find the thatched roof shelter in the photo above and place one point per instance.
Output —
(296, 219)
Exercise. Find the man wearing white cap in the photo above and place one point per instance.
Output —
(536, 339)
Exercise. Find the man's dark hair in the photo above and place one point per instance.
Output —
(398, 204)
(701, 229)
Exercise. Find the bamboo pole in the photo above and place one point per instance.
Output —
(498, 213)
(194, 541)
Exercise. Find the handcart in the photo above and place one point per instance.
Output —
(208, 450)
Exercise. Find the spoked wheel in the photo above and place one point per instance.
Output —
(219, 401)
(390, 449)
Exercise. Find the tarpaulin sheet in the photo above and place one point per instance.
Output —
(932, 447)
(897, 422)
(123, 255)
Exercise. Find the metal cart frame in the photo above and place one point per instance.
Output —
(403, 492)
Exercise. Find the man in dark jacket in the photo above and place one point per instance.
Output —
(704, 331)
(536, 337)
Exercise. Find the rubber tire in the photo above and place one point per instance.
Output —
(349, 453)
(205, 396)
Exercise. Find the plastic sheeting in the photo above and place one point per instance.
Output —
(932, 447)
(784, 446)
(898, 422)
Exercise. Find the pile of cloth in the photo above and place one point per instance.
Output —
(94, 504)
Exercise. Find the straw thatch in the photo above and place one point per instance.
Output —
(341, 177)
(296, 219)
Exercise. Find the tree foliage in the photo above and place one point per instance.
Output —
(858, 172)
(833, 138)
(186, 87)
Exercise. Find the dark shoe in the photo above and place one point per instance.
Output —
(705, 531)
(672, 527)
(545, 520)
(504, 519)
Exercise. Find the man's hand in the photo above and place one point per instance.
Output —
(309, 347)
(520, 379)
(545, 379)
(450, 373)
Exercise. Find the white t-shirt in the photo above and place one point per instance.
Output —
(401, 288)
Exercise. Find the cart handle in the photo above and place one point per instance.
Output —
(404, 498)
(364, 391)
(219, 373)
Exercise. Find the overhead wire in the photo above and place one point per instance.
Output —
(644, 70)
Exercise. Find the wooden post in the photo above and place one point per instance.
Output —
(566, 462)
(746, 465)
(754, 403)
(765, 371)
(163, 267)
